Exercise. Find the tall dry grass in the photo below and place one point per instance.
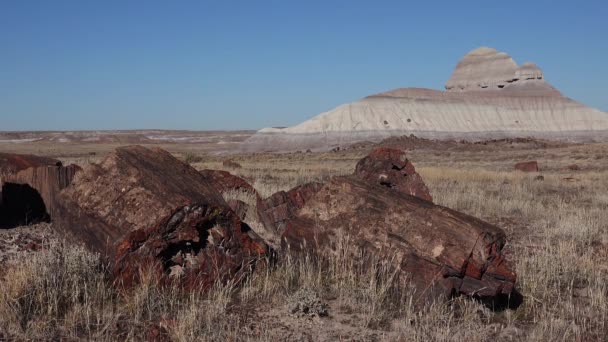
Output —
(557, 240)
(558, 243)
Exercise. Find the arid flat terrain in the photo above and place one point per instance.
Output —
(82, 144)
(555, 220)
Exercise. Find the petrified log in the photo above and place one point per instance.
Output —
(391, 168)
(224, 181)
(144, 208)
(281, 207)
(440, 250)
(47, 180)
(12, 163)
(239, 207)
(28, 186)
(529, 166)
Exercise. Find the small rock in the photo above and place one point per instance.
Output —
(529, 166)
(306, 303)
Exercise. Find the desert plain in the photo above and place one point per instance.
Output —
(555, 221)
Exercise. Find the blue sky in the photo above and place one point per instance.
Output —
(205, 65)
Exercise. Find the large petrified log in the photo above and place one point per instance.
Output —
(277, 210)
(437, 250)
(391, 168)
(224, 181)
(144, 208)
(28, 187)
(12, 163)
(48, 181)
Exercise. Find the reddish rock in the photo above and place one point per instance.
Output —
(224, 181)
(47, 180)
(239, 207)
(440, 251)
(143, 208)
(390, 168)
(13, 163)
(529, 166)
(30, 195)
(282, 206)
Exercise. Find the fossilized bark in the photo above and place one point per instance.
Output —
(144, 208)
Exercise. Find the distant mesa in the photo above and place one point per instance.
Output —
(486, 68)
(488, 96)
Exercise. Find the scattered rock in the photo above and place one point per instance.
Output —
(143, 208)
(306, 303)
(391, 168)
(573, 167)
(529, 166)
(539, 178)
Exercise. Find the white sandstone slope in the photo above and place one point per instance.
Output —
(487, 96)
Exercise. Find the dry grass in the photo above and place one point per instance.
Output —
(64, 292)
(558, 242)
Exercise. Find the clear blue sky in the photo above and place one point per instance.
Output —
(243, 65)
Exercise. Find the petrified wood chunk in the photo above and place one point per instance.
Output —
(28, 187)
(143, 207)
(440, 250)
(48, 181)
(282, 206)
(239, 207)
(224, 181)
(437, 250)
(529, 166)
(391, 168)
(12, 163)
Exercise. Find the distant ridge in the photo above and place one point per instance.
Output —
(488, 96)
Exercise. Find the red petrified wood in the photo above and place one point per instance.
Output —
(28, 187)
(437, 250)
(144, 208)
(224, 181)
(529, 166)
(391, 168)
(47, 180)
(13, 163)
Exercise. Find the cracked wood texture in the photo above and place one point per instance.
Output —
(441, 251)
(384, 210)
(145, 208)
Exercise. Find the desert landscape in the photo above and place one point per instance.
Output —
(303, 171)
(553, 245)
